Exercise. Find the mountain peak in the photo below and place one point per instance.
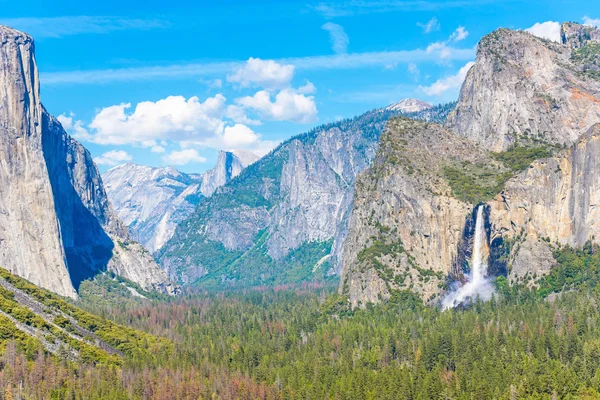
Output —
(409, 105)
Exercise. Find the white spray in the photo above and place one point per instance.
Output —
(477, 285)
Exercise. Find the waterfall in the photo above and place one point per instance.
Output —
(481, 250)
(477, 284)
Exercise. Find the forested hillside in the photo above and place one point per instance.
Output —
(304, 343)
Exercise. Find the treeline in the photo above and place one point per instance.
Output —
(304, 343)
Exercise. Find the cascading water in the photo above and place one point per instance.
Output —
(477, 285)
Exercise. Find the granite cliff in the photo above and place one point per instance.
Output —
(527, 119)
(284, 218)
(56, 224)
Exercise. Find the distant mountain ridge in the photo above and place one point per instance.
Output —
(152, 201)
(284, 218)
(408, 106)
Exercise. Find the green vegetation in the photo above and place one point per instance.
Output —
(518, 158)
(474, 183)
(305, 343)
(478, 183)
(588, 57)
(255, 267)
(140, 346)
(577, 269)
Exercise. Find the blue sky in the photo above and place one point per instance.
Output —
(160, 83)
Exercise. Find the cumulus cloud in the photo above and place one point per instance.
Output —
(459, 34)
(450, 82)
(74, 127)
(430, 26)
(307, 88)
(591, 21)
(263, 73)
(237, 115)
(172, 118)
(239, 136)
(337, 36)
(113, 157)
(288, 105)
(157, 149)
(183, 157)
(548, 30)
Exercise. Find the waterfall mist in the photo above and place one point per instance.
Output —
(477, 285)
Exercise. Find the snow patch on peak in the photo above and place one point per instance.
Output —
(409, 106)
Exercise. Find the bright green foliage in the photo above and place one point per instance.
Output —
(475, 183)
(256, 267)
(588, 57)
(518, 158)
(576, 269)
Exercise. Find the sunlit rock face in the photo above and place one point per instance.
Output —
(56, 225)
(153, 201)
(525, 86)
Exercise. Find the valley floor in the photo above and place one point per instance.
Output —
(303, 342)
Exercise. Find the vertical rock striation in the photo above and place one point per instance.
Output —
(30, 239)
(56, 225)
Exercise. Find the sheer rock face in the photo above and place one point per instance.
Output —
(299, 194)
(30, 240)
(56, 225)
(153, 201)
(406, 226)
(229, 165)
(522, 85)
(556, 200)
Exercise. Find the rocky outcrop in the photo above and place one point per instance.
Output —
(407, 225)
(30, 240)
(59, 229)
(556, 201)
(297, 198)
(408, 106)
(526, 88)
(229, 165)
(153, 201)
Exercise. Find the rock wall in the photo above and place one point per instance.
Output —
(56, 225)
(30, 240)
(525, 88)
(555, 201)
(406, 226)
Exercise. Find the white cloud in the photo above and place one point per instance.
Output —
(74, 127)
(172, 118)
(447, 83)
(239, 136)
(337, 36)
(413, 70)
(157, 149)
(310, 63)
(289, 105)
(459, 34)
(56, 27)
(264, 73)
(548, 30)
(591, 21)
(430, 26)
(113, 157)
(183, 157)
(307, 88)
(333, 9)
(237, 115)
(441, 49)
